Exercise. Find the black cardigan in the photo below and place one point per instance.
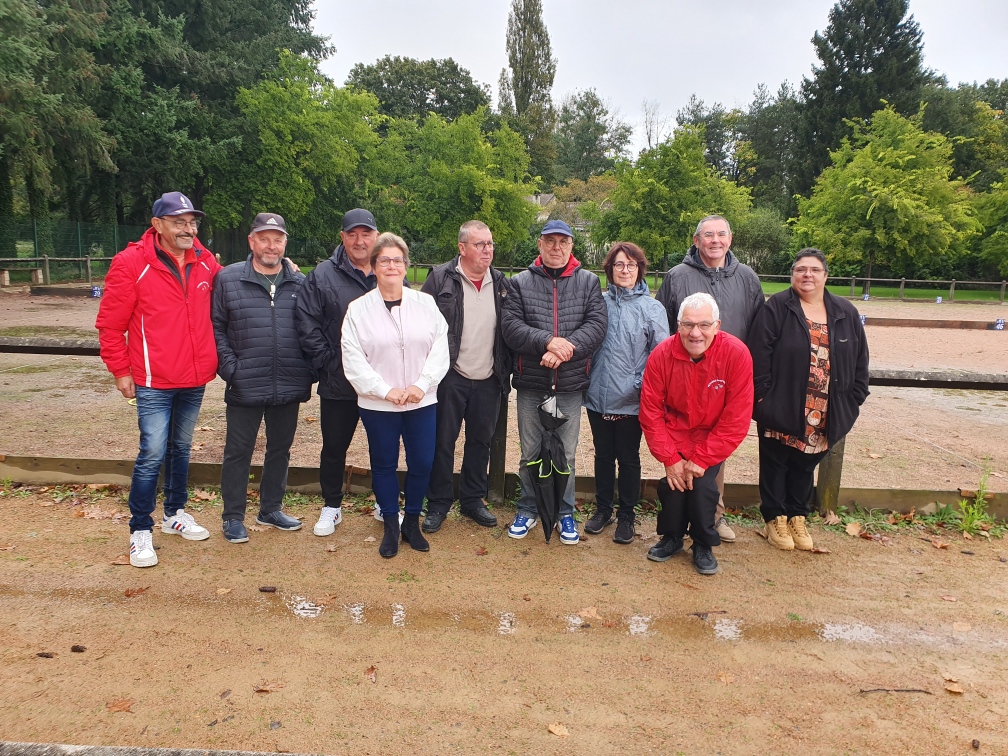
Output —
(780, 343)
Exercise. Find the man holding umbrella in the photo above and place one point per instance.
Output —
(553, 321)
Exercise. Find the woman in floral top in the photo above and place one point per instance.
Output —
(810, 363)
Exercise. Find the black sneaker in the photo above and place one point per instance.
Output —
(665, 549)
(598, 521)
(234, 531)
(703, 559)
(480, 515)
(279, 520)
(433, 521)
(624, 530)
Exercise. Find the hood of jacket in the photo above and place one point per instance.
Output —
(693, 259)
(572, 264)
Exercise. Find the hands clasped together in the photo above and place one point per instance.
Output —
(558, 351)
(401, 397)
(680, 475)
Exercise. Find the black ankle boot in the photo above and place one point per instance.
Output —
(390, 541)
(411, 533)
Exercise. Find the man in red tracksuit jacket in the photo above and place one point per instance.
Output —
(695, 406)
(158, 342)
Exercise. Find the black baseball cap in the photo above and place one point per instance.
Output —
(269, 222)
(359, 217)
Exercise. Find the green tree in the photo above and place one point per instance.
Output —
(769, 128)
(303, 153)
(658, 201)
(762, 241)
(871, 51)
(526, 84)
(889, 201)
(992, 209)
(430, 178)
(722, 139)
(409, 88)
(588, 138)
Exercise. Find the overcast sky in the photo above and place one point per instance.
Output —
(636, 50)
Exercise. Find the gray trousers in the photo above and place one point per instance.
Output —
(530, 432)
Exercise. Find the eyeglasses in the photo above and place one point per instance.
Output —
(388, 262)
(708, 235)
(803, 270)
(629, 267)
(686, 326)
(482, 245)
(563, 241)
(181, 225)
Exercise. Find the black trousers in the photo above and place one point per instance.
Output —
(338, 420)
(239, 443)
(477, 403)
(693, 509)
(616, 440)
(785, 479)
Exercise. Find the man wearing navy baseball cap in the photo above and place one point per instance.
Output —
(157, 341)
(553, 320)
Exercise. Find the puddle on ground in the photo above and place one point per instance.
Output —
(855, 633)
(302, 607)
(506, 626)
(639, 624)
(398, 615)
(728, 629)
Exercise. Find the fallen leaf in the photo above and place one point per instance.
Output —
(645, 658)
(967, 536)
(78, 649)
(831, 518)
(310, 419)
(202, 495)
(370, 539)
(7, 548)
(331, 548)
(961, 627)
(726, 678)
(760, 533)
(854, 528)
(225, 693)
(268, 686)
(371, 497)
(938, 543)
(526, 597)
(98, 486)
(212, 724)
(482, 551)
(45, 654)
(954, 688)
(134, 592)
(892, 519)
(949, 598)
(256, 528)
(77, 513)
(949, 678)
(204, 428)
(878, 537)
(124, 559)
(589, 613)
(371, 673)
(121, 705)
(267, 589)
(875, 456)
(198, 445)
(819, 550)
(559, 730)
(609, 623)
(224, 591)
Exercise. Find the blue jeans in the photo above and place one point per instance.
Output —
(167, 419)
(417, 429)
(530, 433)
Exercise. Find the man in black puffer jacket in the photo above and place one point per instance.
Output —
(553, 320)
(267, 375)
(322, 305)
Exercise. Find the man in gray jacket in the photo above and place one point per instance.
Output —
(710, 267)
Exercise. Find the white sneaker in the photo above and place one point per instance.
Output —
(381, 518)
(328, 520)
(142, 549)
(183, 524)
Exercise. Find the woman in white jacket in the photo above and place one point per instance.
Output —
(395, 352)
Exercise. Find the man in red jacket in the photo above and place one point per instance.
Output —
(157, 340)
(695, 406)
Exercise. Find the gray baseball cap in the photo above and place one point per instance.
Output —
(269, 222)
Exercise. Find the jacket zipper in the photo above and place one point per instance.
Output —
(402, 339)
(556, 332)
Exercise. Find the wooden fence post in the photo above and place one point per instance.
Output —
(45, 269)
(853, 279)
(89, 283)
(827, 493)
(498, 455)
(1001, 299)
(902, 284)
(952, 291)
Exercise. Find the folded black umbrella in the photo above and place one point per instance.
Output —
(549, 470)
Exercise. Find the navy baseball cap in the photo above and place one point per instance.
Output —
(269, 222)
(557, 227)
(174, 203)
(359, 217)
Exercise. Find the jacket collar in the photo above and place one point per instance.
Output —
(679, 351)
(341, 260)
(694, 260)
(833, 308)
(249, 272)
(148, 243)
(572, 265)
(619, 294)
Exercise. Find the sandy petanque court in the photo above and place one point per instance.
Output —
(487, 644)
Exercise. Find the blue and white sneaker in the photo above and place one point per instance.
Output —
(182, 523)
(521, 526)
(568, 530)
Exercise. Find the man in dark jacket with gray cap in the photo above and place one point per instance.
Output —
(322, 305)
(709, 267)
(267, 376)
(554, 318)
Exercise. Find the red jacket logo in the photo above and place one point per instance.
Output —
(204, 285)
(716, 384)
